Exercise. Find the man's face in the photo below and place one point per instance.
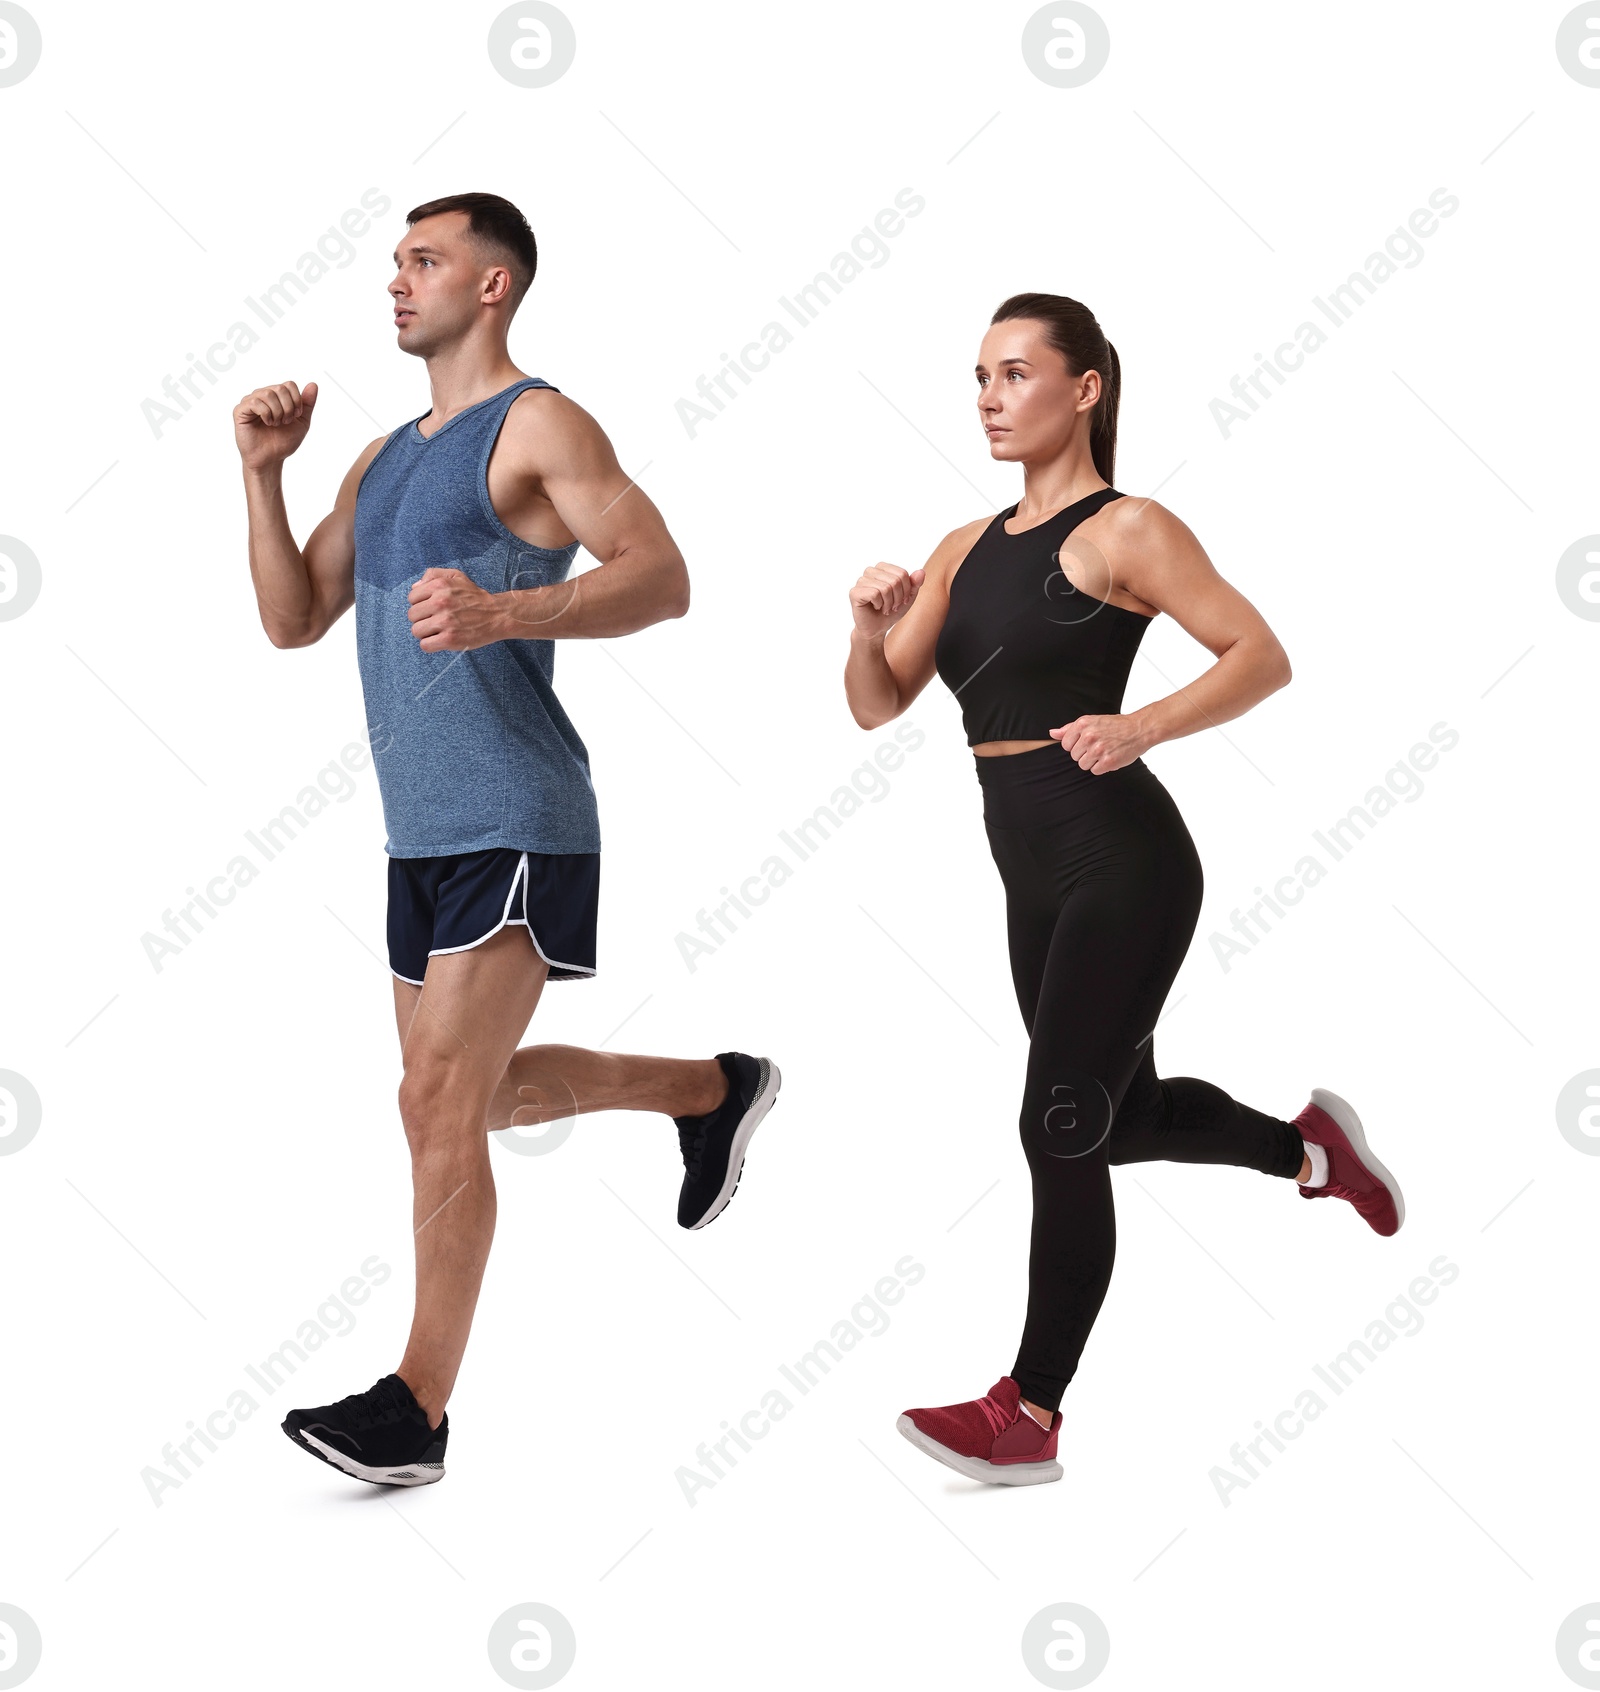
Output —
(441, 283)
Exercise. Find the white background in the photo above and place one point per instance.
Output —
(220, 1148)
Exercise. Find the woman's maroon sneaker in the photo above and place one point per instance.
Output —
(988, 1439)
(1353, 1172)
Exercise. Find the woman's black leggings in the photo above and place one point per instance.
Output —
(1103, 888)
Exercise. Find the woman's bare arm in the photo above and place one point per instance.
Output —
(897, 618)
(1154, 555)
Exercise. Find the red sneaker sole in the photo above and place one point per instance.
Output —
(976, 1468)
(1350, 1125)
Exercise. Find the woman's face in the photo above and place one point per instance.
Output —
(1027, 402)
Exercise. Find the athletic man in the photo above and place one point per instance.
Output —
(453, 537)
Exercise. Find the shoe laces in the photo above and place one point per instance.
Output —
(387, 1398)
(692, 1142)
(998, 1418)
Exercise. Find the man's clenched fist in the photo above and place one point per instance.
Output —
(451, 613)
(270, 423)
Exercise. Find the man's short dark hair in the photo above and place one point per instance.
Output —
(496, 226)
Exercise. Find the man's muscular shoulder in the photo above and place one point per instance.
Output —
(546, 443)
(544, 429)
(351, 485)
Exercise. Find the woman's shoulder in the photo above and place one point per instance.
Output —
(952, 550)
(970, 532)
(1139, 517)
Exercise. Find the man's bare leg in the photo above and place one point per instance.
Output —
(454, 1033)
(542, 1083)
(458, 1032)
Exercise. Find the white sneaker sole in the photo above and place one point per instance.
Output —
(1345, 1116)
(975, 1468)
(407, 1474)
(767, 1084)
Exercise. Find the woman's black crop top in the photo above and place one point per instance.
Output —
(1022, 648)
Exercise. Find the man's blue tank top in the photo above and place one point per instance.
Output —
(472, 749)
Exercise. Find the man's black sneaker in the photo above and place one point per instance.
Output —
(713, 1146)
(381, 1435)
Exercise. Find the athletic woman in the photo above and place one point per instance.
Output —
(1032, 619)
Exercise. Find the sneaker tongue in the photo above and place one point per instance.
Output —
(391, 1390)
(1007, 1394)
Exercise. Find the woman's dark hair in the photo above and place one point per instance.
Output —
(1071, 329)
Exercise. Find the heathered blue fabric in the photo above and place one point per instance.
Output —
(473, 749)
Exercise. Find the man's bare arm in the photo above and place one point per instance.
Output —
(301, 592)
(641, 578)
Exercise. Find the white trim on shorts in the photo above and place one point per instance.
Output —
(581, 971)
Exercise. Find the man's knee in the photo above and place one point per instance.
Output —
(434, 1100)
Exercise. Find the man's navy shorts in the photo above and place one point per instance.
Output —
(454, 903)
